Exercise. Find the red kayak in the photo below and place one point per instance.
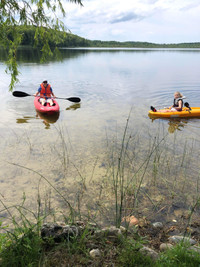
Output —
(47, 108)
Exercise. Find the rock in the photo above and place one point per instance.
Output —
(157, 225)
(58, 232)
(70, 230)
(92, 225)
(80, 223)
(131, 220)
(149, 252)
(177, 239)
(95, 253)
(174, 231)
(194, 231)
(110, 231)
(195, 248)
(123, 229)
(61, 223)
(165, 246)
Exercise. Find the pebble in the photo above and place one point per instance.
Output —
(157, 225)
(150, 252)
(165, 246)
(123, 229)
(95, 253)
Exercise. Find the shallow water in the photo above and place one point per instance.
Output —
(73, 148)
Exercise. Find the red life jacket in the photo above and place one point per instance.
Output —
(45, 92)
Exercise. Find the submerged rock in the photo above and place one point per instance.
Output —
(157, 225)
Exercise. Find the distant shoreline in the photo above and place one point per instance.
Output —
(131, 44)
(130, 48)
(66, 39)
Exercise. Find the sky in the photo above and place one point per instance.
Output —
(157, 21)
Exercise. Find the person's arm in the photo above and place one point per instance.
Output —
(52, 93)
(38, 91)
(36, 94)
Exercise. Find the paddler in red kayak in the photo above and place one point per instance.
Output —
(45, 92)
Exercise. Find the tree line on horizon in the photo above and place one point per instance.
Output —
(64, 39)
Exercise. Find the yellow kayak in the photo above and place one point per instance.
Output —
(185, 113)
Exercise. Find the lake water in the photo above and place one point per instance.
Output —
(73, 150)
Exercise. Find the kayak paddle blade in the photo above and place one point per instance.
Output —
(74, 99)
(20, 94)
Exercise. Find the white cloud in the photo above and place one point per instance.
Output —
(135, 20)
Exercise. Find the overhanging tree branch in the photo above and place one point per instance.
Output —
(38, 13)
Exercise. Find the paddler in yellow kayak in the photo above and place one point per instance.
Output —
(177, 106)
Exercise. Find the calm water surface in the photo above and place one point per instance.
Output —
(111, 83)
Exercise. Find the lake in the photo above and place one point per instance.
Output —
(77, 151)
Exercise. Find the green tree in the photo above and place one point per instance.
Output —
(39, 13)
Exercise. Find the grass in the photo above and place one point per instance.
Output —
(178, 256)
(24, 247)
(130, 255)
(21, 250)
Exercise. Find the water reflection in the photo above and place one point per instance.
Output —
(33, 55)
(28, 54)
(74, 106)
(25, 119)
(175, 124)
(48, 119)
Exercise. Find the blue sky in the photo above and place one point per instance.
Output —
(158, 21)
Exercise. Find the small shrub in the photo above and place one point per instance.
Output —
(22, 251)
(180, 255)
(130, 255)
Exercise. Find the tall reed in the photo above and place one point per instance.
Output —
(127, 179)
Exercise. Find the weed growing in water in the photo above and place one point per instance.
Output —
(128, 174)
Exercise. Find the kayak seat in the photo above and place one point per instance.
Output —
(153, 109)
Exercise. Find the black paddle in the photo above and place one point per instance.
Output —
(23, 94)
(187, 105)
